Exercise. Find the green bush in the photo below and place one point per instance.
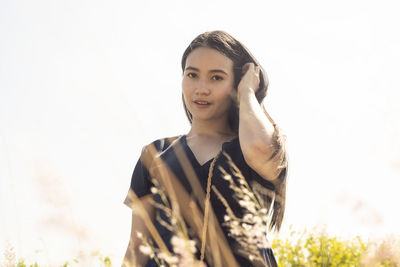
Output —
(318, 249)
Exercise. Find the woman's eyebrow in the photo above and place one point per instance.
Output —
(220, 71)
(212, 71)
(191, 68)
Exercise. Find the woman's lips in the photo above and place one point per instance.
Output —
(201, 103)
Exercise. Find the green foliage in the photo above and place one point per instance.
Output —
(21, 263)
(318, 249)
(107, 262)
(290, 253)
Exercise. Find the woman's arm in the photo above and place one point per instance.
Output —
(256, 131)
(133, 257)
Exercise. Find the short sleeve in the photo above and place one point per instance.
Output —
(271, 194)
(255, 177)
(140, 183)
(141, 179)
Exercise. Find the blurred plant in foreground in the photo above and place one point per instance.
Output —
(9, 255)
(301, 249)
(306, 248)
(383, 254)
(249, 230)
(10, 260)
(184, 248)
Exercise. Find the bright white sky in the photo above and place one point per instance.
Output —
(85, 84)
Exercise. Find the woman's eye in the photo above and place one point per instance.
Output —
(217, 78)
(191, 75)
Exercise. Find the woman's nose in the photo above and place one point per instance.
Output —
(202, 88)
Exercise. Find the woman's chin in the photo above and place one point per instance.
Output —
(208, 118)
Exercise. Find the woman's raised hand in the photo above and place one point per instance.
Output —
(250, 79)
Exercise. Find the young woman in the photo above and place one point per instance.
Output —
(223, 86)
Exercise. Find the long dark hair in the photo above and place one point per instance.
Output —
(240, 55)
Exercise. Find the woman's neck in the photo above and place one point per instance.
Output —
(211, 129)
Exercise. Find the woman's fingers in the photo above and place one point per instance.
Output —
(257, 71)
(250, 77)
(251, 67)
(246, 67)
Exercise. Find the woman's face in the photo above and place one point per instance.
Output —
(207, 84)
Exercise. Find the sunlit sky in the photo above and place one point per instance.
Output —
(84, 85)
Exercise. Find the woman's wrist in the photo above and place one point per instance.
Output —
(245, 93)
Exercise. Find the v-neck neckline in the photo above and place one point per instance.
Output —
(193, 157)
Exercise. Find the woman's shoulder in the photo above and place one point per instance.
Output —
(155, 149)
(161, 144)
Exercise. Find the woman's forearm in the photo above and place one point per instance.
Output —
(255, 129)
